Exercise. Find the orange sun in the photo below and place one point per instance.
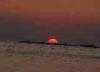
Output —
(52, 41)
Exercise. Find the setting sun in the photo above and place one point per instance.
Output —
(52, 41)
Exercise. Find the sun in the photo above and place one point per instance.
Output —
(53, 41)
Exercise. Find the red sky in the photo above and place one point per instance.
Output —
(84, 9)
(67, 19)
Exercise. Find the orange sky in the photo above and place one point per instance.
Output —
(70, 20)
(85, 9)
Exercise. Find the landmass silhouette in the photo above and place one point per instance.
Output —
(64, 44)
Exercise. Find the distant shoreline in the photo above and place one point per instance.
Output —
(64, 44)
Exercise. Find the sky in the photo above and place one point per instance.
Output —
(70, 21)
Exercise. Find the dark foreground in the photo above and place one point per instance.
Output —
(20, 57)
